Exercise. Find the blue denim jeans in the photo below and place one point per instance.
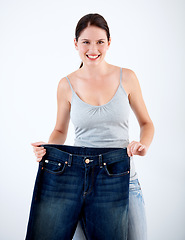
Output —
(137, 225)
(80, 183)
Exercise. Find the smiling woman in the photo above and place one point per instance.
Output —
(91, 190)
(87, 45)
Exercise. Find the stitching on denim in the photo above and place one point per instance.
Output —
(55, 173)
(70, 160)
(92, 178)
(116, 174)
(117, 159)
(100, 161)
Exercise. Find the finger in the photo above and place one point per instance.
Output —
(134, 147)
(132, 143)
(40, 153)
(38, 159)
(141, 148)
(37, 149)
(128, 152)
(37, 143)
(129, 148)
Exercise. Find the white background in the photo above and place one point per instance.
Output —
(37, 50)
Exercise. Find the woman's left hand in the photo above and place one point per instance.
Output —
(136, 148)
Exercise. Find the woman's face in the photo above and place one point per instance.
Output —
(92, 45)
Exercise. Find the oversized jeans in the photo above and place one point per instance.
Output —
(137, 224)
(80, 183)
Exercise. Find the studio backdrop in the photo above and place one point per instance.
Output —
(37, 50)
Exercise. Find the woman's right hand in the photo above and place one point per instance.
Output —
(39, 151)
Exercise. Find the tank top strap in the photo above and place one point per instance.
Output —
(72, 87)
(70, 84)
(120, 75)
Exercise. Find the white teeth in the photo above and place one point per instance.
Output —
(92, 56)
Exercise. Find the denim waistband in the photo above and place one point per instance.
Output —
(84, 155)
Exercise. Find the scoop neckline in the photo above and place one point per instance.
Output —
(98, 106)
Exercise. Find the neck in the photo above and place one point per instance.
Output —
(94, 72)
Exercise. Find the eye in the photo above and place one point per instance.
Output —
(88, 42)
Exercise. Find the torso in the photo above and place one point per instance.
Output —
(101, 91)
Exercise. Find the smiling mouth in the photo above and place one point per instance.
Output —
(93, 57)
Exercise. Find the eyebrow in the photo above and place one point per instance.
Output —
(97, 40)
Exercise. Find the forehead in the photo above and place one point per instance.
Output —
(93, 32)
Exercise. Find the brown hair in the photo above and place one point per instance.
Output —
(92, 19)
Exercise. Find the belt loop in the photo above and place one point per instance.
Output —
(70, 160)
(100, 161)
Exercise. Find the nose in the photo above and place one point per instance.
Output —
(93, 47)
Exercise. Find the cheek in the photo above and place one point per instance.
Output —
(103, 49)
(82, 49)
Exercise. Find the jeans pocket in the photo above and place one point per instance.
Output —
(53, 166)
(117, 169)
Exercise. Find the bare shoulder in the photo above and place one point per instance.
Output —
(127, 75)
(63, 84)
(63, 90)
(130, 81)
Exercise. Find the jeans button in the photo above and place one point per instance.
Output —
(87, 161)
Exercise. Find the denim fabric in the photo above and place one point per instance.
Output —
(137, 225)
(80, 183)
(136, 214)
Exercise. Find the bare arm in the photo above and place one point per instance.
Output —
(146, 125)
(59, 134)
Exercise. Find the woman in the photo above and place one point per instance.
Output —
(97, 97)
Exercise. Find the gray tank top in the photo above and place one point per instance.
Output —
(106, 125)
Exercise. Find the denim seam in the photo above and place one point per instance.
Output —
(55, 173)
(115, 175)
(58, 158)
(92, 178)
